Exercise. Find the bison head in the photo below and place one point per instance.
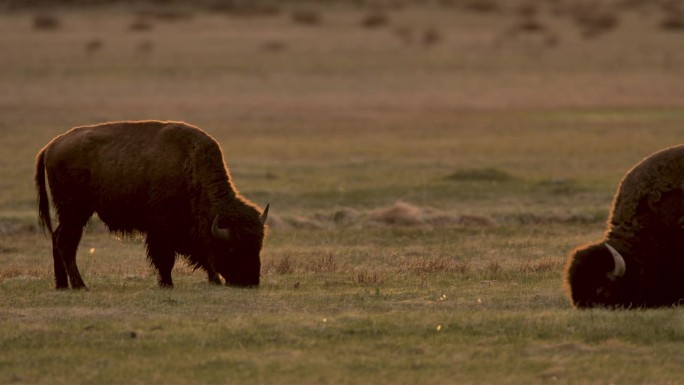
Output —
(595, 276)
(237, 241)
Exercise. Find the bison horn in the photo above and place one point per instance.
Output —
(264, 215)
(620, 266)
(217, 231)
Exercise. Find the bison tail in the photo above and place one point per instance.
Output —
(43, 201)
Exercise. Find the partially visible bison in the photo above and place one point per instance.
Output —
(640, 260)
(166, 180)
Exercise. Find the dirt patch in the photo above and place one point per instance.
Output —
(406, 214)
(275, 221)
(402, 214)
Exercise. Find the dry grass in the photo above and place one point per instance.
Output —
(284, 265)
(492, 269)
(545, 265)
(458, 281)
(406, 214)
(325, 264)
(484, 174)
(21, 272)
(435, 265)
(364, 277)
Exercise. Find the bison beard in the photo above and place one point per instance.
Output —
(166, 180)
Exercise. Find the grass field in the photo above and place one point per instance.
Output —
(427, 175)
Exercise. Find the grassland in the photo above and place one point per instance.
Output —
(424, 194)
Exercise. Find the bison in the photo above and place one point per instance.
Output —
(640, 260)
(166, 180)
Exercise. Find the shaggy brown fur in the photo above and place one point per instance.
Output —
(646, 227)
(166, 180)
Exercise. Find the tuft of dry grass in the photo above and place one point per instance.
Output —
(434, 265)
(544, 265)
(492, 269)
(324, 264)
(363, 277)
(282, 266)
(9, 272)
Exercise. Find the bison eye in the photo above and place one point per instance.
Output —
(600, 290)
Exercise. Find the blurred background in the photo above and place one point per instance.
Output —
(327, 104)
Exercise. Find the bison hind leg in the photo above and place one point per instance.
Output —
(61, 278)
(65, 242)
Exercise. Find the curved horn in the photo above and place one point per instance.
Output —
(620, 266)
(217, 231)
(264, 215)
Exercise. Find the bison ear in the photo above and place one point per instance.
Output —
(218, 232)
(264, 215)
(619, 261)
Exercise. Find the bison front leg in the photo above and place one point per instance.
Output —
(162, 257)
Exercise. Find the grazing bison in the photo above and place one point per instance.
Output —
(166, 180)
(640, 260)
